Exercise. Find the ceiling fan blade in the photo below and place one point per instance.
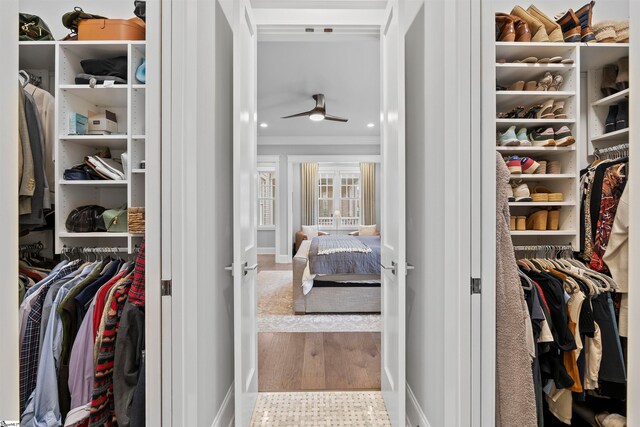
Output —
(306, 113)
(335, 118)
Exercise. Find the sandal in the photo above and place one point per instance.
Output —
(558, 110)
(555, 60)
(531, 86)
(532, 112)
(545, 111)
(528, 60)
(538, 220)
(543, 194)
(567, 61)
(557, 82)
(553, 220)
(546, 81)
(517, 86)
(513, 114)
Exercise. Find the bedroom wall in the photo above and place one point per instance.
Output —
(269, 147)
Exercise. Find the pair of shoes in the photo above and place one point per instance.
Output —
(576, 26)
(553, 167)
(618, 117)
(516, 112)
(518, 165)
(544, 219)
(552, 110)
(550, 82)
(510, 138)
(542, 137)
(543, 194)
(518, 223)
(541, 27)
(535, 60)
(615, 77)
(510, 28)
(612, 31)
(520, 192)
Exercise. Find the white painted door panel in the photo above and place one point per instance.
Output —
(393, 218)
(244, 206)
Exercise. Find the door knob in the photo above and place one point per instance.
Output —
(229, 268)
(392, 268)
(247, 269)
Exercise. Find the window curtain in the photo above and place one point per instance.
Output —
(309, 174)
(368, 192)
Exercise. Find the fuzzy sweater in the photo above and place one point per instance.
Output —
(515, 398)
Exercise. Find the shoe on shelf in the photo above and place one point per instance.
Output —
(542, 137)
(523, 33)
(585, 14)
(514, 165)
(622, 79)
(570, 25)
(546, 110)
(523, 137)
(538, 220)
(622, 31)
(552, 28)
(605, 419)
(553, 219)
(563, 137)
(532, 112)
(543, 194)
(557, 82)
(521, 223)
(510, 195)
(609, 75)
(542, 168)
(528, 165)
(612, 117)
(622, 118)
(545, 82)
(508, 138)
(531, 86)
(558, 110)
(554, 167)
(515, 112)
(537, 28)
(605, 31)
(512, 223)
(505, 28)
(517, 86)
(521, 192)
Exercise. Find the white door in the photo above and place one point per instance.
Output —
(245, 258)
(393, 218)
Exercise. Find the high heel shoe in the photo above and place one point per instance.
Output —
(517, 86)
(558, 110)
(538, 220)
(557, 82)
(513, 114)
(531, 86)
(532, 112)
(546, 81)
(553, 219)
(546, 111)
(521, 223)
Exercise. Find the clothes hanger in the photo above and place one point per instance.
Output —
(527, 280)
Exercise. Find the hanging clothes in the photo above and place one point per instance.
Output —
(45, 103)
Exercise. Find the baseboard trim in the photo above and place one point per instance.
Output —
(266, 251)
(283, 259)
(226, 414)
(415, 415)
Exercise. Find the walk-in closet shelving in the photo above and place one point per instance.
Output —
(127, 101)
(508, 72)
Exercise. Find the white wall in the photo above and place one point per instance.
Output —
(266, 239)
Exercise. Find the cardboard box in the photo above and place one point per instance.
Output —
(103, 123)
(77, 124)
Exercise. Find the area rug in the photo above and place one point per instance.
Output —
(275, 310)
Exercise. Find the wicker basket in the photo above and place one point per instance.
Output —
(136, 220)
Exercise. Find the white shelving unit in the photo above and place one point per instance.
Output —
(566, 181)
(127, 101)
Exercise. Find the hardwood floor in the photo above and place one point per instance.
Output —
(268, 263)
(318, 361)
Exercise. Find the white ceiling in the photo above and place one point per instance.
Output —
(319, 4)
(347, 72)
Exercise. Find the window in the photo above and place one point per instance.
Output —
(266, 198)
(339, 189)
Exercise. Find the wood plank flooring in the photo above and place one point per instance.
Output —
(318, 361)
(268, 263)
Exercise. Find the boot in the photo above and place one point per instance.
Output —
(553, 29)
(608, 86)
(505, 28)
(622, 80)
(537, 29)
(612, 117)
(570, 25)
(584, 15)
(523, 34)
(622, 118)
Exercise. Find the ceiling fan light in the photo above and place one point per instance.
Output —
(316, 117)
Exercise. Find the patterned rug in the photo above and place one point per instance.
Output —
(275, 310)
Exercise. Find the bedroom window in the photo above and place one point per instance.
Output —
(339, 190)
(266, 198)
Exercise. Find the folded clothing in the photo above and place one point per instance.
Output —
(113, 67)
(85, 79)
(106, 168)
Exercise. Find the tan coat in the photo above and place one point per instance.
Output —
(515, 398)
(27, 173)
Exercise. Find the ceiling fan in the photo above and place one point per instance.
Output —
(318, 113)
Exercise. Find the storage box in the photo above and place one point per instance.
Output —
(77, 124)
(111, 29)
(103, 123)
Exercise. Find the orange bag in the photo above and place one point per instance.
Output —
(111, 29)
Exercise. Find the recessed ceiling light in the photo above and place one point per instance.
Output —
(370, 125)
(264, 125)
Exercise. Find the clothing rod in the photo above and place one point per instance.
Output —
(620, 149)
(67, 249)
(542, 247)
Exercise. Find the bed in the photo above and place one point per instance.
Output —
(335, 274)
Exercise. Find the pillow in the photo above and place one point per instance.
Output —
(367, 230)
(310, 231)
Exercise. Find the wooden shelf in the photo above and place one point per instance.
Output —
(542, 176)
(613, 99)
(534, 233)
(533, 149)
(538, 204)
(505, 123)
(114, 96)
(66, 234)
(140, 171)
(617, 136)
(96, 183)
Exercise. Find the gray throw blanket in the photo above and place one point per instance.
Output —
(336, 244)
(360, 262)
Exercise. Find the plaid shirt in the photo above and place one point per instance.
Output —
(136, 293)
(30, 349)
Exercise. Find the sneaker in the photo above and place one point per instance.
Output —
(514, 164)
(528, 165)
(521, 193)
(510, 194)
(563, 137)
(542, 137)
(523, 138)
(508, 138)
